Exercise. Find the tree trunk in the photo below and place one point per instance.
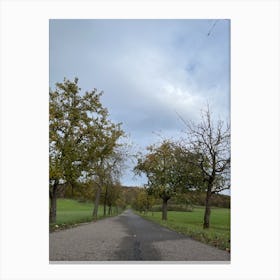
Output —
(96, 203)
(72, 191)
(104, 209)
(53, 198)
(110, 210)
(164, 209)
(207, 212)
(105, 201)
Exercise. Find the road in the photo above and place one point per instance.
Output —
(128, 237)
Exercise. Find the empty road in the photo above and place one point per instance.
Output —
(128, 237)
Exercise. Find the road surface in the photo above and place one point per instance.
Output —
(128, 237)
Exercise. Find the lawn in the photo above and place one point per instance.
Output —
(71, 212)
(191, 224)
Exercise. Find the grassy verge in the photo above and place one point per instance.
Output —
(190, 223)
(71, 213)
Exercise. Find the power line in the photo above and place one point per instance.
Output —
(212, 27)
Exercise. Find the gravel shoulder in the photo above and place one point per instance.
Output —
(128, 237)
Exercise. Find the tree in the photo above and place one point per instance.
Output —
(105, 163)
(144, 200)
(101, 154)
(114, 167)
(114, 194)
(67, 125)
(211, 143)
(129, 194)
(158, 165)
(186, 175)
(81, 138)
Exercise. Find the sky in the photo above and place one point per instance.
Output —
(151, 71)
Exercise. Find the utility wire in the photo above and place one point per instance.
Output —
(212, 27)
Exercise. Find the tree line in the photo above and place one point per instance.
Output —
(87, 156)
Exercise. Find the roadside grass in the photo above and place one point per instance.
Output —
(72, 212)
(191, 224)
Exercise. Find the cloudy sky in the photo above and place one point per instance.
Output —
(150, 71)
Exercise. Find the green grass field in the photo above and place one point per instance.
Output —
(191, 224)
(71, 212)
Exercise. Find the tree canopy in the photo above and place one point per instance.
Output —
(81, 136)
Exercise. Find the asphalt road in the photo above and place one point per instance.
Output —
(128, 237)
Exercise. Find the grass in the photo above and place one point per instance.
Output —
(191, 224)
(71, 212)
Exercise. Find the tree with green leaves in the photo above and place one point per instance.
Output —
(81, 137)
(113, 169)
(144, 200)
(114, 194)
(169, 169)
(186, 175)
(104, 161)
(158, 166)
(67, 126)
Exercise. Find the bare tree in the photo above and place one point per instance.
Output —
(211, 142)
